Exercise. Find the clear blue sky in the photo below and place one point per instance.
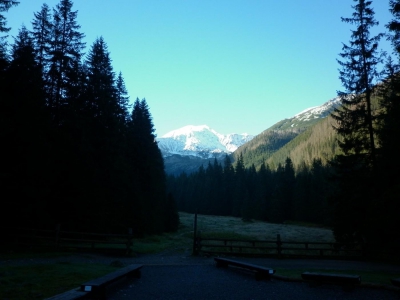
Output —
(236, 66)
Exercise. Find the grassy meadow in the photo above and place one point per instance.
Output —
(38, 281)
(229, 227)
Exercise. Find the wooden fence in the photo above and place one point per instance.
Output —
(275, 248)
(58, 239)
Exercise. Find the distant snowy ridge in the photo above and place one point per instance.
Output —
(318, 112)
(201, 141)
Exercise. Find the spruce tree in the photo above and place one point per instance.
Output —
(122, 98)
(24, 136)
(101, 91)
(386, 208)
(149, 177)
(394, 25)
(357, 166)
(66, 48)
(358, 74)
(42, 28)
(5, 5)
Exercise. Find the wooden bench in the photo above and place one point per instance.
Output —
(97, 286)
(347, 281)
(74, 294)
(396, 282)
(260, 271)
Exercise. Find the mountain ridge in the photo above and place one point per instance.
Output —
(308, 130)
(201, 141)
(189, 147)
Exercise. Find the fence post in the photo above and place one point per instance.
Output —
(195, 249)
(279, 245)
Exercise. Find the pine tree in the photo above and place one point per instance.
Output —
(42, 28)
(122, 98)
(394, 25)
(66, 48)
(149, 177)
(357, 166)
(101, 92)
(5, 5)
(358, 74)
(390, 114)
(24, 136)
(385, 210)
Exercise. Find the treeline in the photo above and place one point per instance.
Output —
(264, 145)
(75, 152)
(273, 195)
(318, 141)
(367, 198)
(348, 179)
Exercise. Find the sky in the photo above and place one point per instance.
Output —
(238, 66)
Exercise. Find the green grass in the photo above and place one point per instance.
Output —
(32, 254)
(45, 280)
(227, 235)
(366, 276)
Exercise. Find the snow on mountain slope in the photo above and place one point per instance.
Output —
(307, 117)
(318, 112)
(200, 141)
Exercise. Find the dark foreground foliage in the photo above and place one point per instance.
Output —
(74, 152)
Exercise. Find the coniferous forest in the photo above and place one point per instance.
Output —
(75, 152)
(357, 192)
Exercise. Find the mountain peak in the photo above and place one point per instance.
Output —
(201, 141)
(186, 130)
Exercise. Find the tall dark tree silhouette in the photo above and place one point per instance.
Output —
(23, 136)
(150, 179)
(357, 165)
(358, 74)
(101, 90)
(5, 5)
(41, 30)
(388, 132)
(394, 25)
(390, 116)
(122, 98)
(66, 48)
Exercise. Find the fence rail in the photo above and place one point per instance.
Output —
(276, 248)
(58, 239)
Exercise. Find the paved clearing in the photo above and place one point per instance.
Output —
(206, 281)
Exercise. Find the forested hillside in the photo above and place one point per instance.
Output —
(317, 142)
(74, 152)
(303, 132)
(262, 146)
(341, 171)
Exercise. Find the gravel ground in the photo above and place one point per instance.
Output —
(206, 281)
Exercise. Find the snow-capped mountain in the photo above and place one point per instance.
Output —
(318, 112)
(200, 141)
(308, 116)
(188, 148)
